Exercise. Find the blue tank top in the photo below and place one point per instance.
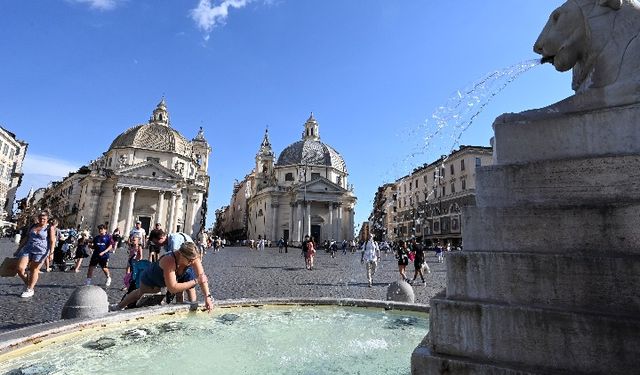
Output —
(153, 276)
(38, 241)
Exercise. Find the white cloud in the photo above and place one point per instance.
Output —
(47, 166)
(207, 16)
(40, 170)
(98, 4)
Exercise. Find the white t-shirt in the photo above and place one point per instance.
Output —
(140, 233)
(370, 249)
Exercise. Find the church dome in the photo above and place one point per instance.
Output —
(312, 153)
(156, 135)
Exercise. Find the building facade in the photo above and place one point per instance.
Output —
(304, 191)
(12, 153)
(150, 173)
(427, 203)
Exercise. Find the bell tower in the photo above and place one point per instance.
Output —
(265, 158)
(201, 151)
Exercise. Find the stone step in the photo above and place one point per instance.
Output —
(605, 229)
(535, 338)
(561, 281)
(584, 181)
(610, 131)
(425, 362)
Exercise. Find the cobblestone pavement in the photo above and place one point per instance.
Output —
(234, 273)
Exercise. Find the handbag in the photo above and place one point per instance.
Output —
(9, 267)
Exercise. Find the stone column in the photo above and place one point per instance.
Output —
(132, 199)
(291, 221)
(339, 231)
(307, 223)
(351, 220)
(179, 211)
(172, 214)
(191, 211)
(299, 235)
(274, 223)
(159, 213)
(330, 232)
(116, 209)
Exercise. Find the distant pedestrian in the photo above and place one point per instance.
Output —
(203, 242)
(82, 251)
(280, 245)
(154, 249)
(260, 245)
(117, 239)
(419, 262)
(138, 231)
(402, 255)
(370, 255)
(439, 253)
(311, 253)
(33, 250)
(344, 247)
(303, 251)
(286, 245)
(102, 245)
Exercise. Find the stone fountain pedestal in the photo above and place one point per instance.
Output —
(549, 280)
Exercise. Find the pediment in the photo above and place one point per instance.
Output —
(322, 185)
(149, 169)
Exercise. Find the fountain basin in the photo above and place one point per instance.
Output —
(240, 336)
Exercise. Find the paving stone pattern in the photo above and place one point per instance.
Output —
(234, 273)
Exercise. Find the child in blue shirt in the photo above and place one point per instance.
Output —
(101, 245)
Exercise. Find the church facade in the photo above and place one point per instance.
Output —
(305, 191)
(150, 173)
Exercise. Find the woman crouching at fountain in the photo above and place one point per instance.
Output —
(179, 271)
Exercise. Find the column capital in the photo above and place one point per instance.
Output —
(118, 189)
(133, 189)
(161, 192)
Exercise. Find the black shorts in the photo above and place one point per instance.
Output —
(103, 263)
(418, 265)
(154, 249)
(403, 261)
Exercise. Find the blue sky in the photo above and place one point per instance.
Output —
(76, 73)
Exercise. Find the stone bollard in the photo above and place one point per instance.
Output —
(88, 301)
(400, 291)
(17, 238)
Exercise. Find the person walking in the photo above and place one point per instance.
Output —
(370, 255)
(154, 249)
(286, 245)
(203, 242)
(138, 231)
(117, 239)
(102, 245)
(311, 253)
(82, 251)
(402, 255)
(419, 262)
(280, 245)
(33, 250)
(260, 245)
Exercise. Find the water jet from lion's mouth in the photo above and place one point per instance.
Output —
(547, 59)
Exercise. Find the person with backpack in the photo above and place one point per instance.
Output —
(33, 251)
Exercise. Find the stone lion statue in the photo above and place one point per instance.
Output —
(600, 41)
